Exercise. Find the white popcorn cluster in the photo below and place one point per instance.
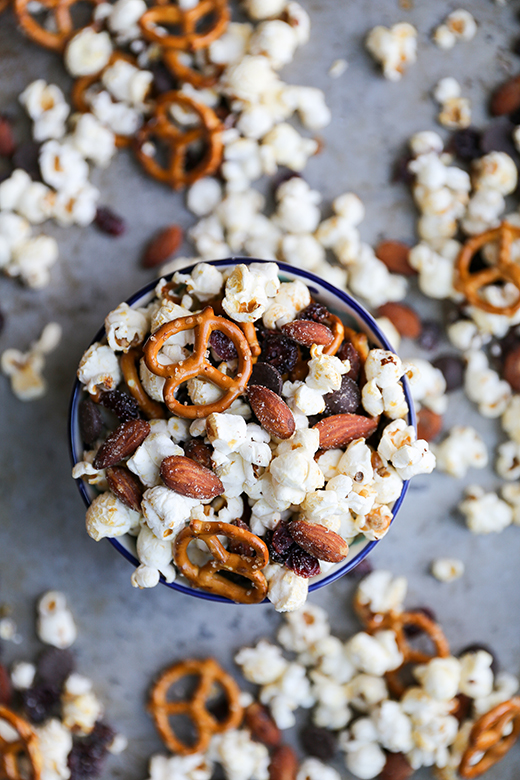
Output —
(488, 513)
(483, 385)
(395, 48)
(25, 368)
(456, 110)
(447, 569)
(459, 25)
(463, 448)
(383, 391)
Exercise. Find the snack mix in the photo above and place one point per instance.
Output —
(246, 412)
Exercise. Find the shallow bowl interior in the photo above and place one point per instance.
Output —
(339, 303)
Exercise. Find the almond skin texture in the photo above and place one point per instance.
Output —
(261, 725)
(340, 429)
(189, 478)
(512, 368)
(395, 254)
(199, 452)
(396, 768)
(162, 246)
(126, 486)
(429, 424)
(308, 332)
(284, 764)
(273, 413)
(324, 544)
(507, 97)
(405, 320)
(122, 443)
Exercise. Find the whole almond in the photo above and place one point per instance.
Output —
(404, 319)
(126, 486)
(199, 452)
(308, 332)
(395, 254)
(506, 99)
(429, 424)
(284, 764)
(324, 544)
(189, 478)
(512, 368)
(121, 443)
(396, 768)
(261, 725)
(340, 429)
(163, 245)
(273, 413)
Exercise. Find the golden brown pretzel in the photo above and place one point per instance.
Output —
(62, 22)
(151, 409)
(504, 270)
(176, 171)
(249, 331)
(162, 708)
(338, 330)
(173, 59)
(198, 364)
(189, 35)
(487, 738)
(207, 576)
(22, 754)
(372, 621)
(4, 4)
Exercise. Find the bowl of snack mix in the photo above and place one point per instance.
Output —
(242, 430)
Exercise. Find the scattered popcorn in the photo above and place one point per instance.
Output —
(394, 48)
(484, 387)
(55, 621)
(25, 368)
(485, 512)
(338, 68)
(88, 52)
(459, 25)
(447, 569)
(462, 449)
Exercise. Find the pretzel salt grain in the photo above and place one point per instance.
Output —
(504, 270)
(176, 171)
(20, 759)
(207, 576)
(151, 409)
(188, 23)
(55, 35)
(491, 737)
(206, 725)
(198, 365)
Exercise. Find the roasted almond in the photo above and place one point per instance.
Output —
(404, 319)
(324, 544)
(429, 424)
(340, 429)
(163, 245)
(189, 478)
(506, 98)
(199, 452)
(284, 764)
(395, 254)
(512, 368)
(122, 443)
(261, 725)
(126, 486)
(308, 332)
(396, 768)
(273, 413)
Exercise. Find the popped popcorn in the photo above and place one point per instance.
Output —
(485, 512)
(459, 25)
(447, 569)
(88, 52)
(463, 448)
(55, 624)
(25, 369)
(394, 48)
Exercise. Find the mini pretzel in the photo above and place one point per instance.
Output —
(338, 330)
(188, 23)
(151, 409)
(249, 331)
(162, 708)
(176, 171)
(207, 576)
(173, 59)
(505, 270)
(198, 364)
(62, 22)
(22, 754)
(4, 4)
(372, 621)
(487, 738)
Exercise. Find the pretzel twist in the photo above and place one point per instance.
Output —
(188, 23)
(487, 738)
(22, 753)
(161, 708)
(338, 331)
(62, 30)
(198, 364)
(151, 409)
(207, 576)
(173, 60)
(505, 269)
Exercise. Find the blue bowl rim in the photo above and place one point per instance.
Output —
(313, 279)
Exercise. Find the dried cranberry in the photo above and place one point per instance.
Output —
(110, 222)
(7, 142)
(430, 335)
(319, 742)
(463, 707)
(280, 352)
(6, 690)
(498, 137)
(123, 405)
(401, 174)
(87, 756)
(267, 376)
(222, 346)
(163, 80)
(314, 311)
(241, 548)
(347, 351)
(40, 701)
(281, 543)
(302, 563)
(54, 666)
(413, 630)
(475, 647)
(452, 367)
(26, 157)
(199, 452)
(101, 735)
(345, 400)
(465, 144)
(90, 421)
(363, 568)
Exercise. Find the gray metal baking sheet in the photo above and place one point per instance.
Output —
(126, 636)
